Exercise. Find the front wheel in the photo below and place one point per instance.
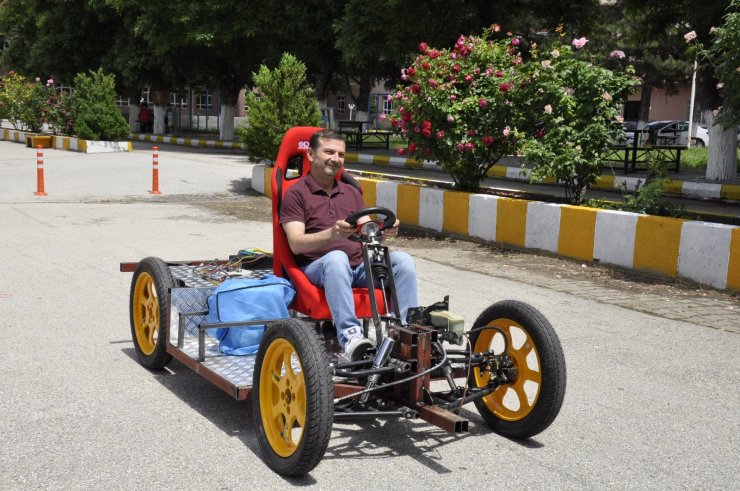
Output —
(697, 142)
(148, 310)
(530, 404)
(292, 398)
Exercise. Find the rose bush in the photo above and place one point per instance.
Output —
(576, 107)
(23, 102)
(463, 106)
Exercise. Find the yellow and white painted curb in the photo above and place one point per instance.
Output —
(188, 142)
(72, 143)
(707, 253)
(687, 189)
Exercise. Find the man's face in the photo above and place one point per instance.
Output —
(328, 159)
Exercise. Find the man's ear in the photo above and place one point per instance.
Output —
(310, 154)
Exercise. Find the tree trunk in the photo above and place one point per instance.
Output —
(226, 121)
(228, 111)
(133, 110)
(721, 158)
(161, 98)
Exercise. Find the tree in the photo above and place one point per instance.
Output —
(282, 100)
(723, 56)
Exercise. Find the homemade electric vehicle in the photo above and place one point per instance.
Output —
(509, 364)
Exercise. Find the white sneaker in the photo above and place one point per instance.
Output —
(355, 345)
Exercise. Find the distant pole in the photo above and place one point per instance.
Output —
(691, 106)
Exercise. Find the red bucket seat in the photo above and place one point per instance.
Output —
(291, 164)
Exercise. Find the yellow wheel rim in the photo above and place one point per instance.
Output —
(511, 402)
(282, 397)
(146, 313)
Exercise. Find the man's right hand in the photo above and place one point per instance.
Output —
(341, 230)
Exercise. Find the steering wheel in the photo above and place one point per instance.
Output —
(352, 219)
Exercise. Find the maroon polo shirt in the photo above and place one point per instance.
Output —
(306, 202)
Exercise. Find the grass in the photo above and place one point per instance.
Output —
(696, 158)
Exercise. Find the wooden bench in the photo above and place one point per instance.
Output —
(375, 138)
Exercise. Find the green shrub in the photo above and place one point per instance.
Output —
(281, 102)
(95, 113)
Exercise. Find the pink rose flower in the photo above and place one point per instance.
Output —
(483, 102)
(468, 146)
(460, 147)
(607, 96)
(471, 132)
(423, 47)
(690, 36)
(579, 43)
(507, 131)
(440, 134)
(415, 88)
(450, 119)
(412, 147)
(468, 78)
(499, 73)
(383, 116)
(548, 109)
(515, 42)
(488, 140)
(453, 97)
(546, 64)
(425, 66)
(433, 83)
(504, 87)
(617, 53)
(496, 28)
(401, 151)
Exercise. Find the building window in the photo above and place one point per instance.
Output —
(203, 100)
(387, 105)
(341, 104)
(178, 100)
(120, 101)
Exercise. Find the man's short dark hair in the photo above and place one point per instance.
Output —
(325, 134)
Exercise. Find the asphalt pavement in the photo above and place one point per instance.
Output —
(651, 402)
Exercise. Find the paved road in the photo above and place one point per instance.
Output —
(652, 402)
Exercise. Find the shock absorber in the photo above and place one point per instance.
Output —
(381, 358)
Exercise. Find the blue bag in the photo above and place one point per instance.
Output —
(246, 299)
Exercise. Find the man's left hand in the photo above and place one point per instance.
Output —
(393, 231)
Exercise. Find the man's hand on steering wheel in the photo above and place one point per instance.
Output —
(392, 231)
(367, 230)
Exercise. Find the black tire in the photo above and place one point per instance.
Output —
(308, 411)
(697, 142)
(148, 312)
(542, 386)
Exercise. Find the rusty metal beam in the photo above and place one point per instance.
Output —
(444, 419)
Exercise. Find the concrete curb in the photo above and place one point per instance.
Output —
(704, 252)
(188, 142)
(686, 189)
(72, 143)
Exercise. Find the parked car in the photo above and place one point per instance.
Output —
(675, 133)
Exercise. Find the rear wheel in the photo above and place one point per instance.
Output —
(148, 310)
(530, 404)
(292, 398)
(697, 142)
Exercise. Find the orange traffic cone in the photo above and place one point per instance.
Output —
(40, 171)
(155, 172)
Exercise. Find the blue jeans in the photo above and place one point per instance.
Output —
(333, 273)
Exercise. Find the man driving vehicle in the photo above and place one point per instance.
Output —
(312, 215)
